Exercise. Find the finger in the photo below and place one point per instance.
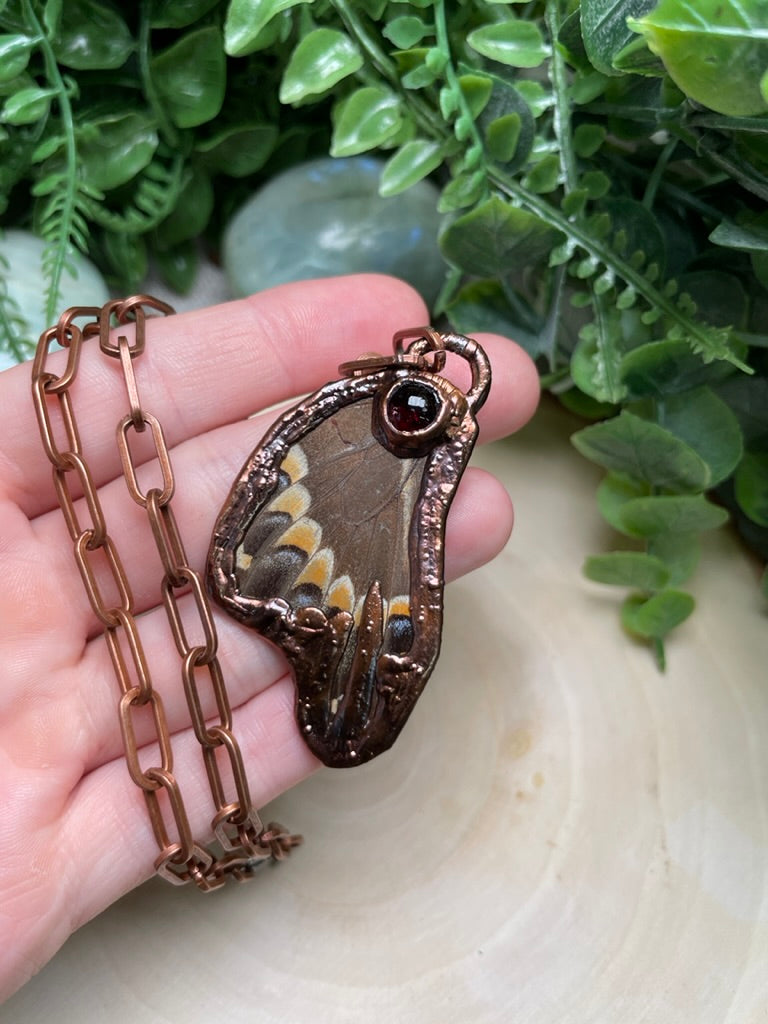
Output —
(201, 370)
(214, 366)
(515, 388)
(204, 469)
(477, 528)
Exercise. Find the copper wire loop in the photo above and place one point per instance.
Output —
(137, 418)
(167, 537)
(86, 557)
(68, 337)
(191, 668)
(234, 835)
(40, 392)
(75, 465)
(235, 824)
(128, 702)
(426, 352)
(140, 681)
(161, 451)
(206, 653)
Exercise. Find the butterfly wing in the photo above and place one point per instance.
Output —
(331, 546)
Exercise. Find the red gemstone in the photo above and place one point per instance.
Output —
(412, 407)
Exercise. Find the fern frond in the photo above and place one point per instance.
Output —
(593, 251)
(14, 338)
(62, 222)
(156, 193)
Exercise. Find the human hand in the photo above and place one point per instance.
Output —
(75, 834)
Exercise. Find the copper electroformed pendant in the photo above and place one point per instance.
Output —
(331, 541)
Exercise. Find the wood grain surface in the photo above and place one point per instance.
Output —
(561, 835)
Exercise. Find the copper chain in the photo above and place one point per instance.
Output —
(241, 841)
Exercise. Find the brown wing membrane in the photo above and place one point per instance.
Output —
(338, 522)
(331, 545)
(338, 519)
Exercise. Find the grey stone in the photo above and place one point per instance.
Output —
(325, 218)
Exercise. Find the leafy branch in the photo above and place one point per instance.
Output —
(62, 221)
(542, 196)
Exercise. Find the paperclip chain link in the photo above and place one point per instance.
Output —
(242, 842)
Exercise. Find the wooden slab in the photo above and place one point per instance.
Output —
(561, 836)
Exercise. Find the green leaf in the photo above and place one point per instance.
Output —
(569, 39)
(420, 74)
(27, 105)
(120, 147)
(604, 29)
(572, 204)
(322, 58)
(476, 91)
(92, 36)
(436, 59)
(583, 406)
(662, 368)
(596, 359)
(536, 97)
(178, 266)
(638, 227)
(631, 445)
(680, 552)
(716, 51)
(412, 162)
(44, 186)
(586, 88)
(595, 183)
(613, 493)
(747, 398)
(179, 13)
(508, 124)
(497, 237)
(191, 77)
(247, 19)
(654, 617)
(752, 237)
(47, 148)
(637, 59)
(51, 15)
(707, 425)
(448, 99)
(463, 190)
(587, 139)
(544, 176)
(405, 31)
(751, 486)
(364, 120)
(627, 569)
(14, 55)
(719, 296)
(127, 257)
(502, 136)
(515, 42)
(239, 150)
(482, 306)
(190, 215)
(670, 513)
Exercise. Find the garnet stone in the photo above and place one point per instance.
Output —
(412, 407)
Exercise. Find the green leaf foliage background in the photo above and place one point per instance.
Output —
(603, 169)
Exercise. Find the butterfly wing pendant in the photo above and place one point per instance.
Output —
(331, 541)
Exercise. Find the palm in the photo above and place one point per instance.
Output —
(75, 834)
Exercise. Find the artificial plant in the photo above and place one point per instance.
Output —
(604, 171)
